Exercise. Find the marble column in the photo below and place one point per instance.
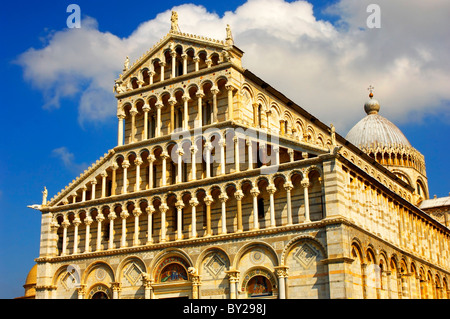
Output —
(162, 64)
(305, 184)
(255, 192)
(215, 91)
(111, 218)
(222, 144)
(65, 224)
(164, 157)
(104, 175)
(121, 117)
(180, 153)
(282, 274)
(150, 210)
(151, 159)
(163, 208)
(133, 113)
(271, 189)
(193, 202)
(193, 155)
(239, 195)
(146, 109)
(223, 199)
(124, 215)
(100, 218)
(138, 163)
(136, 212)
(186, 99)
(87, 243)
(93, 183)
(179, 205)
(208, 201)
(200, 96)
(125, 165)
(159, 105)
(230, 89)
(76, 222)
(288, 187)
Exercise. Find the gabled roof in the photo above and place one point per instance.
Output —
(177, 36)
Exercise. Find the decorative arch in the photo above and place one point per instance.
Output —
(259, 282)
(106, 272)
(166, 257)
(255, 257)
(99, 291)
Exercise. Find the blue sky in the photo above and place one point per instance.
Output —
(54, 127)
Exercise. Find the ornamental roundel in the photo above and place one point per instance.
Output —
(100, 274)
(257, 256)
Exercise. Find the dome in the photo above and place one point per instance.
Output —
(32, 276)
(375, 130)
(30, 284)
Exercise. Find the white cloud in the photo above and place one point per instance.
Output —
(324, 68)
(68, 160)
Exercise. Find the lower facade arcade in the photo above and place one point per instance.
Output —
(326, 259)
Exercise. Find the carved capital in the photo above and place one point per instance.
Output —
(125, 164)
(239, 194)
(281, 271)
(146, 107)
(163, 208)
(179, 204)
(151, 158)
(193, 202)
(137, 212)
(254, 191)
(271, 189)
(138, 161)
(223, 197)
(288, 186)
(208, 200)
(150, 209)
(200, 94)
(305, 182)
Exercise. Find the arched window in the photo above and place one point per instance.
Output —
(154, 176)
(179, 118)
(206, 117)
(260, 115)
(173, 172)
(259, 286)
(152, 126)
(109, 192)
(100, 295)
(261, 211)
(179, 69)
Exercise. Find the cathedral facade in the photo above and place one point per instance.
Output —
(222, 187)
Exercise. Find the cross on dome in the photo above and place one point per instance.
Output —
(370, 88)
